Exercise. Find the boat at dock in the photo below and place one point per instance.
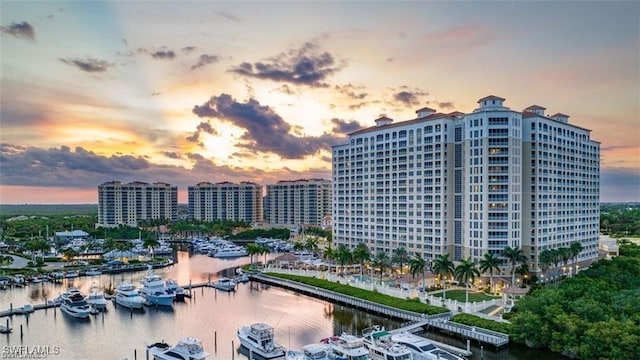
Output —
(179, 293)
(188, 348)
(75, 304)
(230, 251)
(127, 295)
(96, 298)
(154, 290)
(347, 346)
(225, 284)
(259, 339)
(381, 347)
(422, 347)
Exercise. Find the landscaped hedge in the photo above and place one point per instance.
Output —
(373, 296)
(477, 321)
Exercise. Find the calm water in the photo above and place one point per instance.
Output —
(210, 315)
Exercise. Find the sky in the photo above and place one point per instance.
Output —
(190, 91)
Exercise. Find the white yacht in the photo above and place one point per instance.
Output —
(75, 304)
(230, 251)
(422, 347)
(187, 349)
(348, 347)
(154, 290)
(96, 298)
(178, 291)
(259, 339)
(128, 296)
(316, 351)
(225, 283)
(381, 347)
(93, 272)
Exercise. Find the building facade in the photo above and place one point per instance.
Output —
(468, 184)
(298, 202)
(127, 204)
(226, 201)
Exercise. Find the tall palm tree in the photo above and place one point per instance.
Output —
(555, 259)
(400, 257)
(515, 257)
(417, 265)
(545, 260)
(490, 262)
(252, 249)
(565, 255)
(361, 254)
(343, 255)
(443, 267)
(150, 241)
(329, 253)
(264, 250)
(311, 245)
(381, 261)
(466, 271)
(575, 249)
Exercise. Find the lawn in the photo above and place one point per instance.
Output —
(460, 296)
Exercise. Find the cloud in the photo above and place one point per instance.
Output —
(163, 54)
(228, 16)
(351, 91)
(171, 155)
(188, 49)
(285, 89)
(266, 131)
(21, 30)
(446, 105)
(408, 97)
(89, 64)
(202, 127)
(457, 40)
(305, 66)
(344, 127)
(205, 60)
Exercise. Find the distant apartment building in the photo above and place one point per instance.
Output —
(226, 201)
(468, 184)
(298, 202)
(128, 204)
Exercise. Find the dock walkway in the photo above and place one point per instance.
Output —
(416, 320)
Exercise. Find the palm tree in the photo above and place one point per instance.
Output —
(417, 265)
(565, 255)
(298, 245)
(545, 260)
(400, 257)
(252, 249)
(523, 270)
(382, 262)
(466, 271)
(329, 253)
(361, 254)
(264, 250)
(555, 259)
(343, 255)
(515, 257)
(575, 249)
(150, 241)
(490, 262)
(443, 267)
(311, 245)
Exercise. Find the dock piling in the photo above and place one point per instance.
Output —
(233, 352)
(21, 332)
(215, 339)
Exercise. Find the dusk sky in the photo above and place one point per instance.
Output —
(190, 91)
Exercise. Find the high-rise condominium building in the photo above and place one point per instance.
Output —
(298, 202)
(468, 184)
(127, 204)
(226, 201)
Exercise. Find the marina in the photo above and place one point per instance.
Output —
(213, 316)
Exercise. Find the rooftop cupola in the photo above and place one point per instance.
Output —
(424, 112)
(490, 101)
(383, 120)
(560, 117)
(536, 109)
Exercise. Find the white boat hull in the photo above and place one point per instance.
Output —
(79, 313)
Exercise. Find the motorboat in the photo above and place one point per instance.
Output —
(36, 280)
(154, 290)
(18, 280)
(93, 272)
(228, 251)
(347, 346)
(225, 283)
(96, 298)
(188, 348)
(259, 339)
(71, 274)
(316, 351)
(74, 303)
(422, 347)
(174, 288)
(127, 295)
(381, 347)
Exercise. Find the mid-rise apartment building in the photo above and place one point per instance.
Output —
(127, 204)
(226, 201)
(298, 202)
(468, 184)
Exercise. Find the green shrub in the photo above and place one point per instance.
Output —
(477, 321)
